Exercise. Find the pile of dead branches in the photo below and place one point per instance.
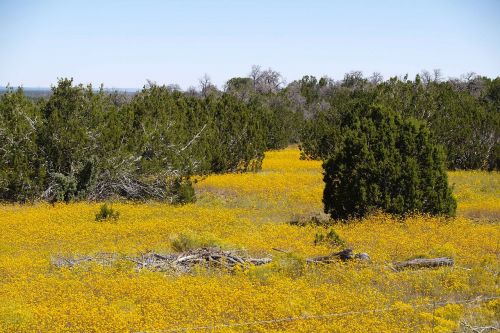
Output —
(209, 257)
(206, 256)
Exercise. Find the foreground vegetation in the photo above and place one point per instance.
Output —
(251, 212)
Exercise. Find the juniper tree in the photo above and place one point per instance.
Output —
(386, 162)
(22, 169)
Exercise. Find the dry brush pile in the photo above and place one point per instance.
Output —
(208, 257)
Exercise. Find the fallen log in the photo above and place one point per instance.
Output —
(260, 261)
(344, 255)
(423, 263)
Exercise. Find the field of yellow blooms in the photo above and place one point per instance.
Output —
(251, 212)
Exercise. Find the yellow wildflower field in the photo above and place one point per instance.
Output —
(251, 212)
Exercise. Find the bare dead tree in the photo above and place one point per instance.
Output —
(174, 87)
(426, 77)
(438, 75)
(255, 75)
(191, 91)
(468, 77)
(376, 78)
(206, 86)
(354, 80)
(265, 81)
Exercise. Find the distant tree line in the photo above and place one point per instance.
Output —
(85, 143)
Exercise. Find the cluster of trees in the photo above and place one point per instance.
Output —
(86, 144)
(83, 143)
(463, 115)
(386, 145)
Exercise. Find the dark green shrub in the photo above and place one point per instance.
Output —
(107, 213)
(386, 163)
(183, 191)
(331, 239)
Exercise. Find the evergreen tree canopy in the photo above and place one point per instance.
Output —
(21, 166)
(463, 115)
(386, 162)
(80, 143)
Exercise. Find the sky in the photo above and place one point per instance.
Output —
(122, 44)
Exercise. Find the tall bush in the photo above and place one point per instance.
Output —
(389, 163)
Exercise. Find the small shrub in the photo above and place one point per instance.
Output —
(107, 213)
(290, 265)
(331, 239)
(183, 191)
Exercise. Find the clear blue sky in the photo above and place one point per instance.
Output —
(123, 43)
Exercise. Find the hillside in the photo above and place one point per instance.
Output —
(251, 212)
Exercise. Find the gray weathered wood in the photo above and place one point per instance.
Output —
(423, 263)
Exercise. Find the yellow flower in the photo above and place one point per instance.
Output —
(251, 213)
